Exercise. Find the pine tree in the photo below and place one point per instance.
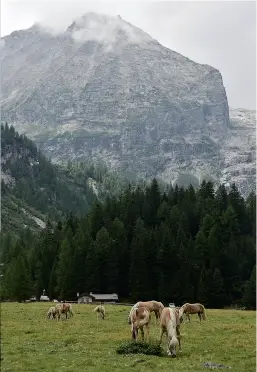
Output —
(17, 280)
(138, 268)
(66, 272)
(117, 232)
(216, 291)
(100, 276)
(249, 298)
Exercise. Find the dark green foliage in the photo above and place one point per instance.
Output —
(181, 245)
(17, 282)
(249, 298)
(34, 187)
(138, 347)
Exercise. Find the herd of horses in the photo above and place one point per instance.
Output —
(140, 316)
(170, 320)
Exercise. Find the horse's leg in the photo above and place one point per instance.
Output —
(147, 330)
(161, 335)
(188, 317)
(179, 338)
(199, 316)
(142, 333)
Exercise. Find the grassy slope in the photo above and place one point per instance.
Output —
(30, 342)
(12, 216)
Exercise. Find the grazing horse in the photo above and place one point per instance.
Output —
(152, 306)
(100, 310)
(187, 309)
(64, 308)
(140, 318)
(170, 324)
(52, 312)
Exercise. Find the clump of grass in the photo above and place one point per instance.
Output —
(133, 347)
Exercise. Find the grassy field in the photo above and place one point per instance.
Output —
(30, 342)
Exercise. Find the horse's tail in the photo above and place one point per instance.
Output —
(204, 313)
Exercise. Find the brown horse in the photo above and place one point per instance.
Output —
(197, 308)
(170, 324)
(64, 308)
(140, 318)
(152, 306)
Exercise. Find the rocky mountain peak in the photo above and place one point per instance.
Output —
(105, 89)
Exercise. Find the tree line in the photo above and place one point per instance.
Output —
(179, 245)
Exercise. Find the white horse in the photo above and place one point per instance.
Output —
(170, 324)
(100, 310)
(52, 312)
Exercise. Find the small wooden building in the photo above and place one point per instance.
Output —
(97, 297)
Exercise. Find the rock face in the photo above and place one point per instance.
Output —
(105, 89)
(239, 151)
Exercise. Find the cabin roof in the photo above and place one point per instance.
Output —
(101, 296)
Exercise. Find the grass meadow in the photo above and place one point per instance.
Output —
(30, 342)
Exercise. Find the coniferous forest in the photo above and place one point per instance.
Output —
(179, 245)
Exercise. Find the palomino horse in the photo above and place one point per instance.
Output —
(187, 309)
(52, 312)
(100, 310)
(170, 324)
(152, 306)
(64, 308)
(140, 318)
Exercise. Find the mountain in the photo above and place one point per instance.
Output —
(33, 189)
(239, 151)
(106, 90)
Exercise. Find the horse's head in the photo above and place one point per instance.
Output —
(180, 314)
(172, 349)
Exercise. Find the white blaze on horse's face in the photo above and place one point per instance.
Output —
(172, 350)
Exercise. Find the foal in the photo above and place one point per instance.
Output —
(140, 318)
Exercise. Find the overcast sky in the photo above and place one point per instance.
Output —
(219, 33)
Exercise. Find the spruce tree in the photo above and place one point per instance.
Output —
(17, 280)
(249, 298)
(138, 268)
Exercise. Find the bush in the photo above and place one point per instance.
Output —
(135, 347)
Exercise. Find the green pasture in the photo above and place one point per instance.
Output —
(30, 342)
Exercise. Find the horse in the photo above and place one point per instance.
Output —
(140, 318)
(152, 306)
(64, 308)
(197, 308)
(100, 310)
(52, 312)
(170, 324)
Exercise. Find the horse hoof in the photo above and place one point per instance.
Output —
(173, 355)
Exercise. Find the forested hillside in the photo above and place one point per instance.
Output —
(33, 189)
(178, 245)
